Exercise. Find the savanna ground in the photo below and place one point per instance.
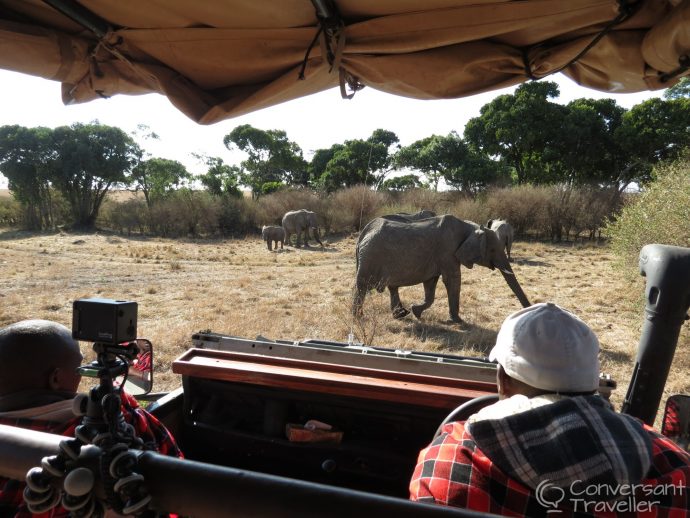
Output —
(238, 287)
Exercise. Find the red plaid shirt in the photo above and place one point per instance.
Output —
(453, 471)
(155, 436)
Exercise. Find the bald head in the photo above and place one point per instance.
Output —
(38, 354)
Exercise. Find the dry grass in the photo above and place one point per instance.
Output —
(238, 287)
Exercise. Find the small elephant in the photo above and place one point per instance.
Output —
(299, 222)
(271, 235)
(393, 253)
(504, 232)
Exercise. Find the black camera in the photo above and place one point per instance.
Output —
(105, 321)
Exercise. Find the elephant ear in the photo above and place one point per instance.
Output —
(473, 249)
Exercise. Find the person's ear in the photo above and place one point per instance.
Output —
(62, 379)
(55, 379)
(501, 379)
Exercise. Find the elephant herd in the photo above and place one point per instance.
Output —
(404, 249)
(297, 222)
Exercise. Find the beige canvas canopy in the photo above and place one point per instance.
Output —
(216, 59)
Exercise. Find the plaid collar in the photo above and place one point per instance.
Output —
(574, 438)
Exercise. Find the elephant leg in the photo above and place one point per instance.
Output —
(316, 236)
(429, 295)
(299, 238)
(396, 306)
(268, 244)
(358, 299)
(452, 283)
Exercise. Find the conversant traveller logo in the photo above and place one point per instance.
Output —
(602, 498)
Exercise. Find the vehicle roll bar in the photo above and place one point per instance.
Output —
(667, 300)
(193, 488)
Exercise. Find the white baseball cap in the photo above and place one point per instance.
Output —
(548, 348)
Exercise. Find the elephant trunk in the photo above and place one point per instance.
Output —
(512, 281)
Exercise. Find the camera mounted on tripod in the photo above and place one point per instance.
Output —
(112, 327)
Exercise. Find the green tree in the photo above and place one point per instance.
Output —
(356, 161)
(402, 183)
(680, 90)
(653, 131)
(90, 159)
(157, 177)
(25, 154)
(523, 129)
(221, 178)
(271, 157)
(588, 152)
(450, 158)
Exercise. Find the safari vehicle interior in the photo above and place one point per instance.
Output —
(277, 428)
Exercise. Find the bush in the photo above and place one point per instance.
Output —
(351, 208)
(270, 208)
(236, 216)
(10, 212)
(415, 200)
(660, 214)
(125, 216)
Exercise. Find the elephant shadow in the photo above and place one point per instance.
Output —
(478, 339)
(617, 356)
(310, 248)
(530, 262)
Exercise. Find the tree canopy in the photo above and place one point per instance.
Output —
(354, 162)
(157, 177)
(272, 158)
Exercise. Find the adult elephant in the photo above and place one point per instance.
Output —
(299, 222)
(394, 253)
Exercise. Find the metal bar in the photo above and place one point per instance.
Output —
(81, 15)
(197, 489)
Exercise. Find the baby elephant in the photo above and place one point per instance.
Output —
(273, 234)
(504, 232)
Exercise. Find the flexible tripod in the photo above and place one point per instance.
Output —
(102, 425)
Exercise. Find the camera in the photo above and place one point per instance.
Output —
(104, 321)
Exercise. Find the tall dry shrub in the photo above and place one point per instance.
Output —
(592, 206)
(351, 208)
(660, 214)
(269, 209)
(10, 212)
(470, 209)
(523, 206)
(236, 216)
(124, 217)
(185, 213)
(414, 200)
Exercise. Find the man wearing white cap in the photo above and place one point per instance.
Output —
(551, 444)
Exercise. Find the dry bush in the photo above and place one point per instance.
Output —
(660, 214)
(351, 208)
(236, 216)
(523, 206)
(269, 209)
(415, 200)
(124, 217)
(185, 213)
(471, 209)
(10, 212)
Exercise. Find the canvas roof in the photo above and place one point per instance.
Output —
(216, 59)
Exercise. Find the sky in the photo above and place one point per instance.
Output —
(313, 122)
